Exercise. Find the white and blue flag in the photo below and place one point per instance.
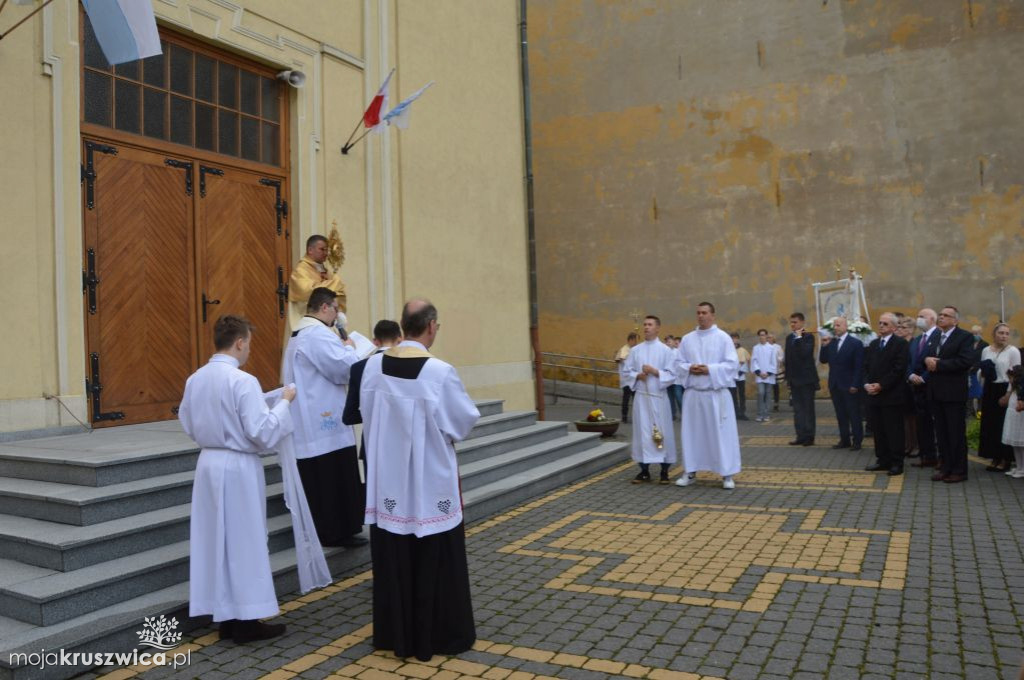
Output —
(125, 29)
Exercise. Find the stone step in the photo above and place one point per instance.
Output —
(127, 453)
(44, 597)
(65, 547)
(502, 422)
(101, 457)
(114, 628)
(522, 460)
(509, 491)
(490, 407)
(492, 444)
(85, 505)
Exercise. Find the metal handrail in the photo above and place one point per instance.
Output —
(592, 369)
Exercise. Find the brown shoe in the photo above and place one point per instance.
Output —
(938, 477)
(953, 479)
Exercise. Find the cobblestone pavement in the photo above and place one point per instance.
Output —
(810, 568)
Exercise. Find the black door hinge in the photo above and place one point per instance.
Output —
(280, 205)
(187, 167)
(203, 172)
(89, 171)
(93, 387)
(282, 292)
(89, 279)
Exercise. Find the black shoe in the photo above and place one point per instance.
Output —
(742, 418)
(664, 478)
(253, 630)
(353, 541)
(776, 408)
(642, 478)
(808, 442)
(797, 442)
(227, 629)
(993, 468)
(895, 471)
(842, 445)
(855, 447)
(874, 467)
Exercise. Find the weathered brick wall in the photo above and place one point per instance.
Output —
(732, 150)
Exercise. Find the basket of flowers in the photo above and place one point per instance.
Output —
(597, 421)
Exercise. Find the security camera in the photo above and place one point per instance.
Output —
(294, 78)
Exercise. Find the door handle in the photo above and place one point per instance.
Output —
(206, 302)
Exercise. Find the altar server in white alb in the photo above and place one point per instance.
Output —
(708, 362)
(319, 363)
(224, 411)
(414, 408)
(650, 371)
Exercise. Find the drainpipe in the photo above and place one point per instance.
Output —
(531, 236)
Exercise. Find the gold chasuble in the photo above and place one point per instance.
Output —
(305, 277)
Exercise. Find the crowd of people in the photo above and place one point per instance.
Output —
(910, 383)
(404, 483)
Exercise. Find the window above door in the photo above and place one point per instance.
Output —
(189, 95)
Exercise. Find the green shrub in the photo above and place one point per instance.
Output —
(974, 434)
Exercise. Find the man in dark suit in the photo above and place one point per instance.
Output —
(948, 363)
(885, 368)
(802, 377)
(844, 355)
(917, 376)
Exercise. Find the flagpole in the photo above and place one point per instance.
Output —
(26, 17)
(345, 149)
(346, 146)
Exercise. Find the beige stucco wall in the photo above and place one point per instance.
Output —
(436, 210)
(732, 150)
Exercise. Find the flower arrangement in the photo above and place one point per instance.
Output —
(596, 416)
(858, 328)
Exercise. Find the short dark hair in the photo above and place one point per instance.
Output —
(314, 239)
(320, 297)
(734, 334)
(415, 324)
(762, 330)
(230, 328)
(386, 329)
(670, 337)
(708, 305)
(651, 316)
(797, 315)
(632, 336)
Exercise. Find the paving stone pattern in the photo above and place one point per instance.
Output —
(811, 568)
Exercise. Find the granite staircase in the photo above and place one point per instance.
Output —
(94, 527)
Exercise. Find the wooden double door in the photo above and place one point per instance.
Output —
(173, 242)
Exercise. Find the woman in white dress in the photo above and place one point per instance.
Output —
(1013, 425)
(996, 360)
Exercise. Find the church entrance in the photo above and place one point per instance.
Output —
(184, 198)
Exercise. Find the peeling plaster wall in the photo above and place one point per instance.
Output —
(732, 150)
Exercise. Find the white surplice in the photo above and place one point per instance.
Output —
(224, 411)
(410, 427)
(650, 403)
(318, 362)
(710, 438)
(309, 554)
(765, 359)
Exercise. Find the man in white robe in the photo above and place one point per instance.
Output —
(414, 408)
(224, 411)
(318, 362)
(707, 359)
(650, 371)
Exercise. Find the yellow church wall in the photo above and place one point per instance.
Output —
(444, 217)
